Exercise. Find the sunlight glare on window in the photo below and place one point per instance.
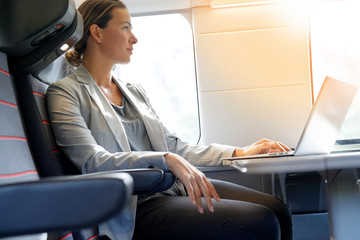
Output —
(335, 50)
(163, 63)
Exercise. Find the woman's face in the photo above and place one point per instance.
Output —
(117, 38)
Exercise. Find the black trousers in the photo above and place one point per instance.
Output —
(243, 213)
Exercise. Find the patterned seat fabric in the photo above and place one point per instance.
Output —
(16, 161)
(28, 152)
(50, 160)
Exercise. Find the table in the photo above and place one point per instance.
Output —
(342, 177)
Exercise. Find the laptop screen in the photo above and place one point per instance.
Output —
(326, 117)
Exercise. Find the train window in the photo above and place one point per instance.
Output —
(335, 50)
(163, 63)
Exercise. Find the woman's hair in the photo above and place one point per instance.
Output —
(93, 12)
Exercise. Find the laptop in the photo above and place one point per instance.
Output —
(324, 122)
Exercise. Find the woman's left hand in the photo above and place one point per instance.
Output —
(261, 147)
(195, 181)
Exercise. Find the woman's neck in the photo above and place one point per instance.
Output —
(100, 71)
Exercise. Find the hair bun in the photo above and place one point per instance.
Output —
(73, 57)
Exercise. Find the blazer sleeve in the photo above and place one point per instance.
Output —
(74, 137)
(197, 155)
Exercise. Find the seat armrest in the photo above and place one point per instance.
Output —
(151, 180)
(62, 203)
(146, 180)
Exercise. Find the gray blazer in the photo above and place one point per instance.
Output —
(90, 133)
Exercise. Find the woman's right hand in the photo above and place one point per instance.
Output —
(261, 147)
(195, 181)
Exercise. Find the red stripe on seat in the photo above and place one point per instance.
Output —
(54, 151)
(18, 174)
(95, 236)
(12, 138)
(3, 71)
(42, 95)
(9, 104)
(46, 122)
(67, 235)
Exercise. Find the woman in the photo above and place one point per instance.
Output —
(103, 124)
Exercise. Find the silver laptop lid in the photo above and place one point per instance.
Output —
(326, 117)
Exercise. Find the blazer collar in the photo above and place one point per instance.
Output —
(106, 109)
(152, 125)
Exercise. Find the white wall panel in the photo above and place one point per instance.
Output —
(243, 116)
(253, 58)
(208, 20)
(253, 73)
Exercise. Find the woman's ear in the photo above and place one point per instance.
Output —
(95, 32)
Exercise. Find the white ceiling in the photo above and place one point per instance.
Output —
(144, 6)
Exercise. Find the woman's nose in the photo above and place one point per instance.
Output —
(133, 39)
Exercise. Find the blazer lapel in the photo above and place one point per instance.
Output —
(152, 125)
(103, 104)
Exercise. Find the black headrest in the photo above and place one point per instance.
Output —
(33, 31)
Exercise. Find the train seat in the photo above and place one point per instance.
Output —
(33, 43)
(30, 204)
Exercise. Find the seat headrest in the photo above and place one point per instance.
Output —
(34, 33)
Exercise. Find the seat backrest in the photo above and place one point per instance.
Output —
(31, 42)
(50, 159)
(16, 161)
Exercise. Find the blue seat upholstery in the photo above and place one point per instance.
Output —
(13, 142)
(29, 205)
(32, 41)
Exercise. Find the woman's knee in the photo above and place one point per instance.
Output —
(260, 222)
